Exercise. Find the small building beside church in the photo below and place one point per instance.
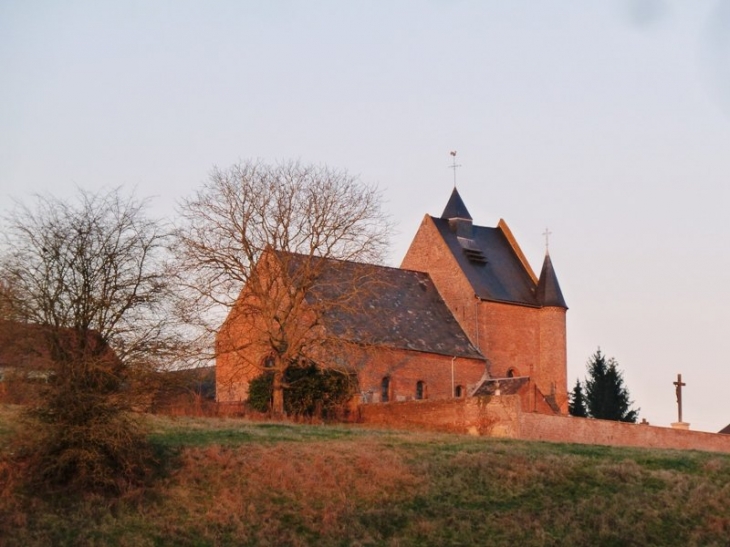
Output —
(464, 315)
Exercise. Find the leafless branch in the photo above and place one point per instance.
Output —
(254, 243)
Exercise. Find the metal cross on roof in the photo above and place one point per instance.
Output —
(547, 233)
(454, 165)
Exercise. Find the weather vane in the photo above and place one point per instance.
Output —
(454, 165)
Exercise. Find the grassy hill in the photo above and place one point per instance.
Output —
(231, 482)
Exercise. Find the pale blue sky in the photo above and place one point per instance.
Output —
(609, 122)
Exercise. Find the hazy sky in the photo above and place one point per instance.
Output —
(609, 122)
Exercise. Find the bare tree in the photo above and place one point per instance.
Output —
(93, 265)
(255, 243)
(89, 278)
(8, 298)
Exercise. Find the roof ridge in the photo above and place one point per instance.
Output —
(335, 259)
(502, 225)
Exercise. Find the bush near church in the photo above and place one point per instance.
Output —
(309, 391)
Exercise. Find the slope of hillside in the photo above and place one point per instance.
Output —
(231, 482)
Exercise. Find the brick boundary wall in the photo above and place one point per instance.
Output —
(568, 429)
(489, 416)
(502, 417)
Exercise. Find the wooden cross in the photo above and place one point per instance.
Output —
(679, 383)
(454, 165)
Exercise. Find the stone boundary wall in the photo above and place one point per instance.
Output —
(502, 417)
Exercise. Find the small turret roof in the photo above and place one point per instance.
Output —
(548, 289)
(455, 208)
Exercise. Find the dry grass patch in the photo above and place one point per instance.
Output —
(238, 483)
(303, 491)
(9, 420)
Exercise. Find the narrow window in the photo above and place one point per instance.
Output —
(511, 373)
(459, 391)
(420, 390)
(269, 362)
(385, 390)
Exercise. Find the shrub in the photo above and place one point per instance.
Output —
(82, 436)
(260, 391)
(309, 391)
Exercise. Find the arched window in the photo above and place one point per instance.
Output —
(459, 391)
(420, 390)
(385, 390)
(511, 373)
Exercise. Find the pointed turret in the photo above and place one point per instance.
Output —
(459, 218)
(455, 208)
(548, 288)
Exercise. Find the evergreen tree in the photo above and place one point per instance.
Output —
(577, 404)
(606, 396)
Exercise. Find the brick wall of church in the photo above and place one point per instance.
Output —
(530, 341)
(406, 368)
(509, 337)
(238, 361)
(429, 253)
(552, 372)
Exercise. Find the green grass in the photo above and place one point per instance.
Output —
(233, 482)
(231, 432)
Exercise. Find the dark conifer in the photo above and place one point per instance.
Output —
(577, 404)
(606, 396)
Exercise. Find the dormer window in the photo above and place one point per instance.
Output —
(472, 250)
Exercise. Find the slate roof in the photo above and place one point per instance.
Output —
(491, 264)
(386, 306)
(455, 207)
(548, 288)
(506, 386)
(500, 276)
(510, 386)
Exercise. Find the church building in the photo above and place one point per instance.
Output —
(464, 315)
(515, 319)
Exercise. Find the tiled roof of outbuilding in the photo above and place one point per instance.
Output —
(27, 345)
(505, 386)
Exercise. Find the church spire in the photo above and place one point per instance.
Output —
(460, 220)
(455, 208)
(548, 288)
